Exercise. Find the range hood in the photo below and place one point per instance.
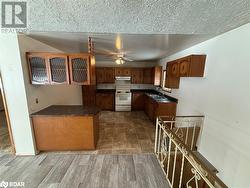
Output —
(123, 78)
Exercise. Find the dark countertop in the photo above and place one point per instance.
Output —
(105, 90)
(67, 110)
(151, 91)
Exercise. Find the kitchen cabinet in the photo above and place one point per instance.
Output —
(150, 106)
(157, 74)
(38, 68)
(121, 71)
(192, 66)
(171, 81)
(189, 66)
(109, 75)
(79, 66)
(153, 109)
(147, 76)
(137, 75)
(59, 68)
(105, 75)
(100, 75)
(89, 95)
(138, 100)
(66, 128)
(105, 100)
(173, 69)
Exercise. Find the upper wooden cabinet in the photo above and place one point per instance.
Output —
(171, 81)
(157, 73)
(137, 75)
(38, 68)
(109, 75)
(105, 75)
(189, 66)
(79, 69)
(173, 69)
(55, 68)
(120, 71)
(58, 69)
(147, 76)
(192, 66)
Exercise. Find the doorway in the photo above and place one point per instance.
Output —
(6, 140)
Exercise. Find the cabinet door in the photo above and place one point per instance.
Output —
(171, 81)
(157, 73)
(184, 65)
(58, 68)
(79, 69)
(137, 75)
(138, 101)
(38, 68)
(126, 72)
(99, 100)
(173, 68)
(89, 95)
(109, 75)
(109, 101)
(100, 78)
(118, 72)
(147, 76)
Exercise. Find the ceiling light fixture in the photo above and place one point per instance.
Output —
(119, 61)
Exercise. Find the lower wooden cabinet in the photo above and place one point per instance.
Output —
(138, 101)
(105, 101)
(154, 109)
(88, 95)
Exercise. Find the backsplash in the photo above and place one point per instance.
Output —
(133, 86)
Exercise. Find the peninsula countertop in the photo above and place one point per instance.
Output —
(67, 110)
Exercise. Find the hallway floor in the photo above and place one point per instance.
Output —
(83, 171)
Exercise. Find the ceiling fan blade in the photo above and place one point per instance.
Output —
(127, 59)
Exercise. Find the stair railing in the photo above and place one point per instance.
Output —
(174, 152)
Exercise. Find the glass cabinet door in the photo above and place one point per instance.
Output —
(79, 69)
(38, 68)
(58, 65)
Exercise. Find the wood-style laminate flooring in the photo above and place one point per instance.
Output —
(5, 145)
(83, 171)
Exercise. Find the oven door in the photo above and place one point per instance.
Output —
(123, 98)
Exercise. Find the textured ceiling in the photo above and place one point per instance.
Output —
(138, 47)
(138, 16)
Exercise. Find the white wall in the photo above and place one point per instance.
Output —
(49, 94)
(223, 96)
(13, 83)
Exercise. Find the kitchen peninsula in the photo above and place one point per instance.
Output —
(66, 127)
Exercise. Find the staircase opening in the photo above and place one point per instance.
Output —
(176, 151)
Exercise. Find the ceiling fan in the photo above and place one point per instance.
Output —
(119, 55)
